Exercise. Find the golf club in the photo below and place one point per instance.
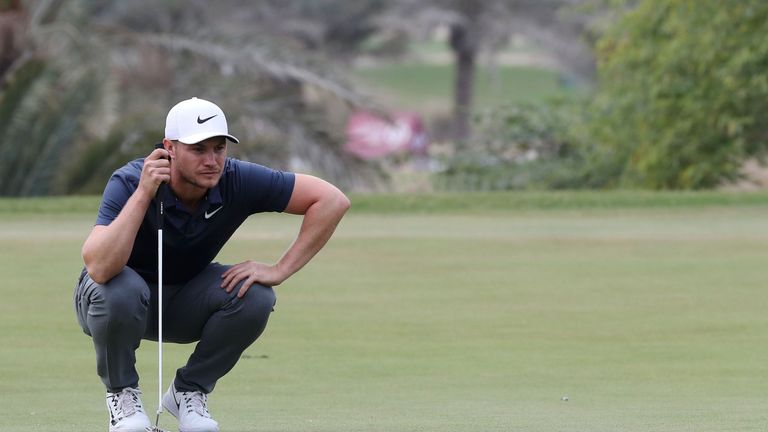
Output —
(160, 210)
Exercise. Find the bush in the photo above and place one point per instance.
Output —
(682, 102)
(538, 146)
(683, 97)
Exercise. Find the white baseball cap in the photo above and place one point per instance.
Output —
(194, 120)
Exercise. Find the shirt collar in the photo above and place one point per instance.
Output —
(212, 197)
(167, 196)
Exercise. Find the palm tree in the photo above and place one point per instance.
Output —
(94, 80)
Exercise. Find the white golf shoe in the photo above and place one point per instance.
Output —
(191, 409)
(126, 414)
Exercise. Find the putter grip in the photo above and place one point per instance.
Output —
(159, 196)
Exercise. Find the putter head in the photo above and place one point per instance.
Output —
(155, 429)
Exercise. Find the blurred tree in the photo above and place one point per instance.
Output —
(94, 80)
(341, 28)
(11, 31)
(683, 92)
(558, 26)
(336, 27)
(42, 103)
(517, 147)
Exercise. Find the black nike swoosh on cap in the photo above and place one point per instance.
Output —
(201, 121)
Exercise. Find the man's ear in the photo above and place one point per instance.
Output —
(171, 147)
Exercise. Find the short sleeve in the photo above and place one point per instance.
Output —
(263, 189)
(119, 189)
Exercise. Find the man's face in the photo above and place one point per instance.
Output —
(200, 164)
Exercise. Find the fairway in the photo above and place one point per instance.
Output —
(425, 87)
(647, 319)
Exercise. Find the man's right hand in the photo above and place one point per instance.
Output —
(156, 170)
(108, 248)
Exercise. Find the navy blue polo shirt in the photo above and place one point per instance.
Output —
(191, 240)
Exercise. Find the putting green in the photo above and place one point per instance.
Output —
(646, 319)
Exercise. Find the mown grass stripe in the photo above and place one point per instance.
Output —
(460, 202)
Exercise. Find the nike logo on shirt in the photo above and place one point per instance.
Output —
(208, 215)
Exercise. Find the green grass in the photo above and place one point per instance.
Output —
(430, 314)
(430, 87)
(484, 202)
(446, 202)
(429, 48)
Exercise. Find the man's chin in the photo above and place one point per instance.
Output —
(207, 182)
(209, 179)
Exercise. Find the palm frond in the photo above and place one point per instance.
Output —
(59, 139)
(254, 58)
(17, 141)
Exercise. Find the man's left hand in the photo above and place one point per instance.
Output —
(250, 272)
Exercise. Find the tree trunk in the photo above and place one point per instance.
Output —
(462, 97)
(464, 44)
(12, 23)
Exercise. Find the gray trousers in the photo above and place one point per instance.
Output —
(123, 311)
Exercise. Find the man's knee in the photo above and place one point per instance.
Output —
(254, 307)
(124, 299)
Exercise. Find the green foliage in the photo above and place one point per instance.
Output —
(525, 147)
(14, 94)
(97, 79)
(92, 168)
(681, 104)
(21, 107)
(44, 116)
(684, 92)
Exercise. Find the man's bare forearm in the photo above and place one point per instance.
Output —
(320, 221)
(323, 206)
(107, 249)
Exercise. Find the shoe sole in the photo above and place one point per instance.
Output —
(140, 428)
